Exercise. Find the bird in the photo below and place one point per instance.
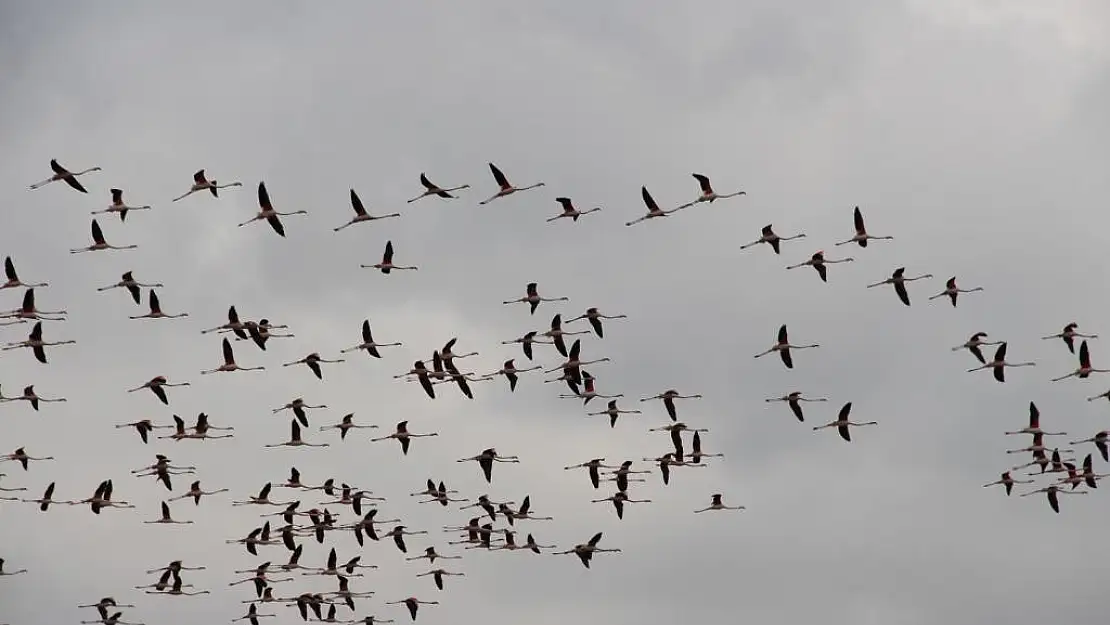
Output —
(1085, 369)
(842, 422)
(593, 466)
(899, 280)
(196, 492)
(118, 206)
(618, 499)
(999, 364)
(360, 213)
(974, 343)
(157, 385)
(1034, 426)
(368, 343)
(312, 361)
(420, 370)
(156, 309)
(12, 276)
(387, 261)
(33, 398)
(1069, 334)
(412, 603)
(229, 362)
(61, 173)
(526, 343)
(668, 398)
(403, 435)
(585, 551)
(99, 243)
(511, 372)
(594, 316)
(782, 346)
(1100, 440)
(46, 500)
(113, 619)
(953, 291)
(438, 575)
(556, 334)
(861, 237)
(103, 605)
(653, 209)
(28, 310)
(295, 438)
(588, 391)
(570, 211)
(262, 499)
(1052, 492)
(127, 281)
(252, 615)
(707, 192)
(506, 188)
(613, 412)
(717, 503)
(532, 297)
(1007, 481)
(433, 189)
(768, 236)
(166, 518)
(486, 459)
(268, 213)
(819, 262)
(345, 424)
(793, 400)
(233, 324)
(200, 183)
(36, 343)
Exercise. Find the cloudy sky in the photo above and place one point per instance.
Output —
(974, 132)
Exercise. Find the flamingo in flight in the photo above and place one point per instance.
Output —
(794, 399)
(594, 316)
(99, 243)
(27, 310)
(861, 237)
(953, 291)
(1085, 369)
(999, 364)
(156, 309)
(387, 261)
(61, 173)
(229, 361)
(653, 209)
(768, 236)
(586, 551)
(782, 346)
(158, 385)
(12, 276)
(268, 213)
(526, 343)
(403, 436)
(717, 503)
(1052, 492)
(1100, 440)
(570, 211)
(36, 343)
(360, 213)
(842, 423)
(506, 187)
(200, 183)
(127, 281)
(118, 206)
(707, 192)
(295, 439)
(432, 189)
(974, 343)
(1034, 426)
(532, 298)
(1069, 334)
(819, 262)
(412, 603)
(668, 398)
(899, 280)
(1007, 481)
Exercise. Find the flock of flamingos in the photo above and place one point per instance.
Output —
(481, 531)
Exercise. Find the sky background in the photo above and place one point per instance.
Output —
(974, 132)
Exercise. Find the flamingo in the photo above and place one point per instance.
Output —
(586, 551)
(166, 518)
(36, 343)
(12, 276)
(768, 236)
(613, 412)
(532, 297)
(176, 590)
(127, 281)
(118, 206)
(438, 575)
(156, 309)
(1034, 426)
(999, 364)
(486, 459)
(200, 184)
(588, 391)
(298, 407)
(229, 362)
(403, 435)
(861, 237)
(506, 188)
(570, 211)
(398, 534)
(1008, 482)
(412, 603)
(707, 192)
(368, 343)
(61, 173)
(653, 209)
(447, 355)
(233, 323)
(260, 332)
(668, 398)
(1085, 369)
(974, 343)
(432, 189)
(1053, 491)
(102, 498)
(594, 316)
(574, 361)
(1100, 440)
(346, 423)
(420, 370)
(99, 243)
(953, 291)
(387, 261)
(313, 361)
(1038, 446)
(841, 424)
(252, 615)
(1069, 334)
(157, 385)
(9, 573)
(27, 310)
(46, 500)
(556, 334)
(295, 438)
(526, 343)
(196, 492)
(113, 619)
(899, 280)
(103, 605)
(511, 372)
(793, 400)
(268, 213)
(32, 398)
(819, 262)
(718, 503)
(430, 555)
(360, 213)
(782, 346)
(696, 454)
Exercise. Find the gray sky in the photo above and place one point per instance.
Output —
(973, 132)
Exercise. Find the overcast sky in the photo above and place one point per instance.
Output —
(974, 132)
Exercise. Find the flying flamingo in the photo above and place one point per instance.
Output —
(99, 243)
(586, 551)
(35, 342)
(999, 364)
(157, 385)
(1053, 491)
(387, 261)
(229, 362)
(347, 423)
(953, 291)
(252, 615)
(668, 398)
(403, 435)
(769, 237)
(974, 343)
(570, 211)
(432, 189)
(556, 334)
(200, 184)
(486, 459)
(360, 213)
(718, 504)
(61, 173)
(594, 316)
(127, 281)
(13, 280)
(420, 370)
(166, 518)
(268, 213)
(295, 438)
(437, 575)
(526, 343)
(46, 500)
(1034, 426)
(1069, 334)
(20, 456)
(532, 297)
(613, 413)
(1008, 482)
(412, 603)
(233, 323)
(841, 424)
(819, 262)
(653, 209)
(506, 188)
(262, 499)
(707, 192)
(792, 399)
(298, 406)
(783, 347)
(861, 237)
(196, 492)
(32, 398)
(511, 372)
(156, 310)
(313, 361)
(696, 454)
(1100, 440)
(118, 206)
(1085, 369)
(27, 310)
(899, 280)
